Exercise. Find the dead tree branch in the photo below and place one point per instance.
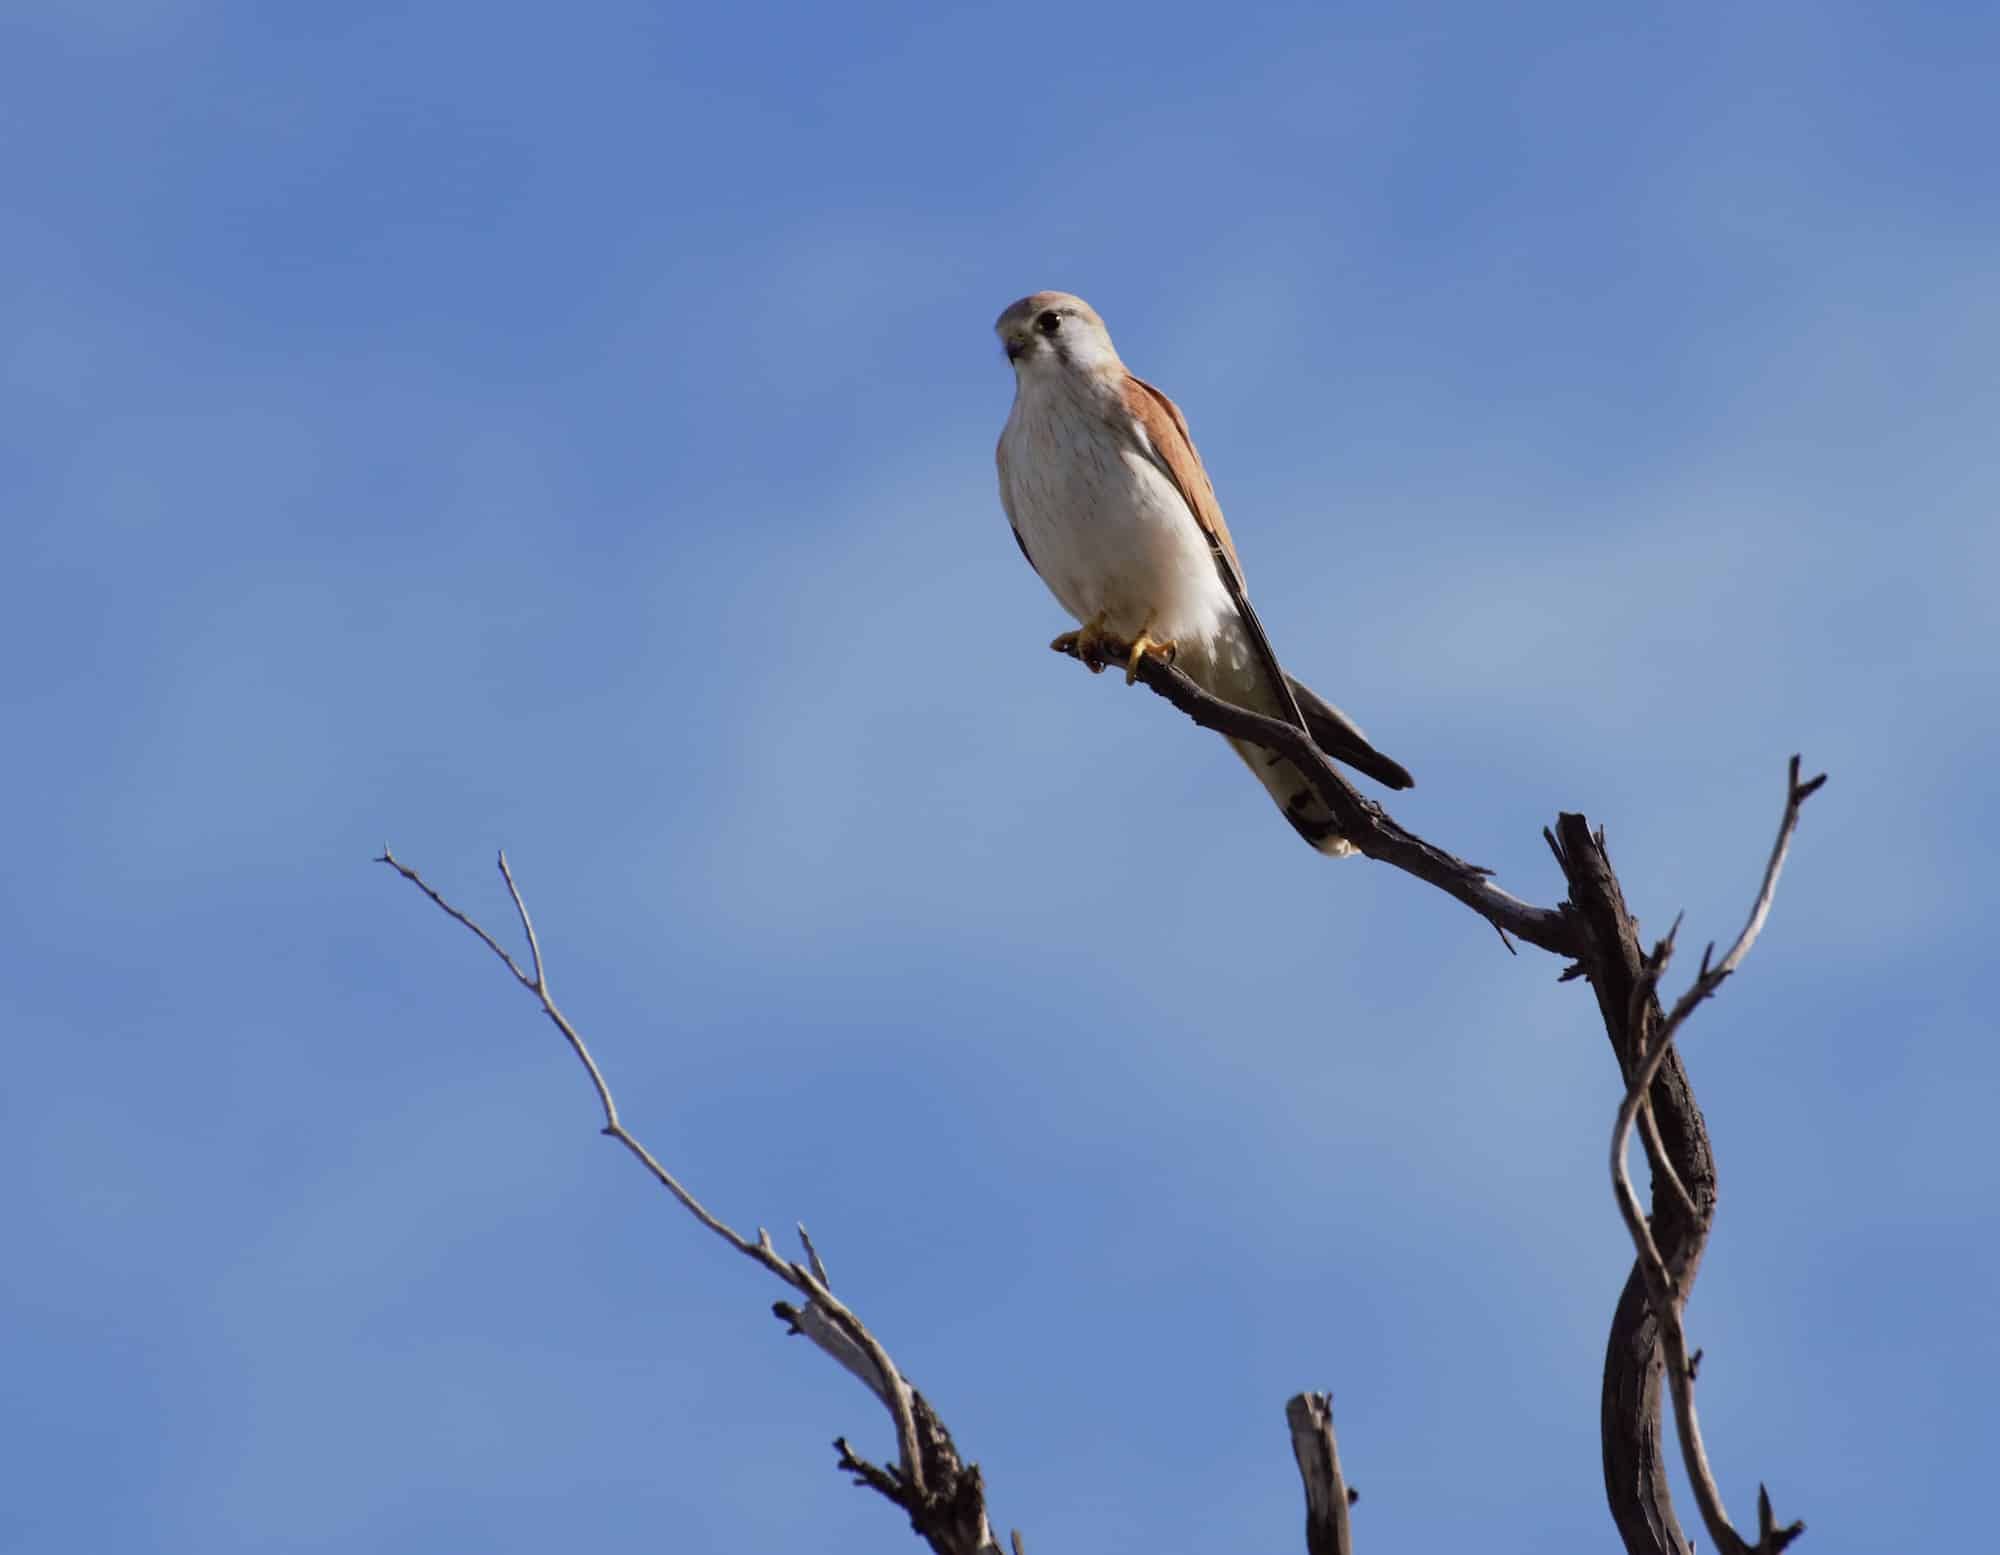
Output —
(1310, 1416)
(1362, 821)
(1598, 933)
(1666, 1295)
(1635, 1466)
(944, 1496)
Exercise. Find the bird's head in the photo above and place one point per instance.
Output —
(1054, 333)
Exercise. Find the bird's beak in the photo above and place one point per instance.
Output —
(1015, 349)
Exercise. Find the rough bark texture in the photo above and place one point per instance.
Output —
(1635, 1461)
(950, 1513)
(1310, 1417)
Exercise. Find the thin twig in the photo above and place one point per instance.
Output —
(1639, 1007)
(485, 939)
(527, 925)
(819, 1269)
(1668, 1302)
(1663, 1166)
(895, 1392)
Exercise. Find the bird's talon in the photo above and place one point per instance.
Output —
(1086, 644)
(1146, 644)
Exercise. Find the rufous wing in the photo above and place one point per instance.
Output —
(1174, 451)
(1171, 447)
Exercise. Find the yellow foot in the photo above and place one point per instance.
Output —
(1086, 643)
(1148, 644)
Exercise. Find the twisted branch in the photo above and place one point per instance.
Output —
(1667, 1295)
(1598, 933)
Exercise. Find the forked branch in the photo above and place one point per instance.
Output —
(1668, 1295)
(1598, 933)
(943, 1495)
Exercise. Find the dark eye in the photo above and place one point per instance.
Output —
(1049, 322)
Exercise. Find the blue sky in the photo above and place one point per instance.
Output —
(458, 427)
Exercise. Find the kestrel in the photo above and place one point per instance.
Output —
(1110, 504)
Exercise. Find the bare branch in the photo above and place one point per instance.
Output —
(949, 1513)
(541, 983)
(1310, 1416)
(1656, 1045)
(1638, 1485)
(1362, 821)
(1662, 1163)
(812, 1253)
(417, 880)
(874, 1476)
(944, 1496)
(814, 1324)
(1595, 929)
(1669, 1296)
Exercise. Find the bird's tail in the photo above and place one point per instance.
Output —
(1336, 734)
(1341, 738)
(1227, 666)
(1303, 807)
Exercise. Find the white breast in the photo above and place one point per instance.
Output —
(1108, 532)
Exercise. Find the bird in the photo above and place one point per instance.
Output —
(1111, 505)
